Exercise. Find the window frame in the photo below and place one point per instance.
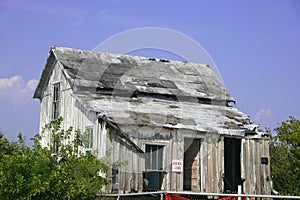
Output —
(154, 157)
(89, 136)
(154, 173)
(56, 100)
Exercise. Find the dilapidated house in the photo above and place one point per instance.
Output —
(172, 122)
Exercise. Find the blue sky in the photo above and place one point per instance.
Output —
(255, 44)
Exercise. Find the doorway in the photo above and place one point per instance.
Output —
(232, 164)
(191, 163)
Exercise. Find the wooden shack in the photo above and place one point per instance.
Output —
(172, 123)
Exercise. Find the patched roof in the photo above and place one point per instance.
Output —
(168, 114)
(139, 91)
(106, 71)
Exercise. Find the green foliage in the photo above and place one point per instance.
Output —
(58, 172)
(285, 157)
(5, 146)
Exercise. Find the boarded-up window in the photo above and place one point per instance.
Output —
(56, 100)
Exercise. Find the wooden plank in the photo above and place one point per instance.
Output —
(203, 153)
(267, 167)
(109, 172)
(258, 167)
(263, 168)
(180, 154)
(243, 164)
(217, 166)
(141, 164)
(179, 174)
(219, 154)
(175, 157)
(173, 175)
(168, 166)
(252, 167)
(136, 160)
(195, 166)
(247, 164)
(213, 166)
(209, 165)
(222, 168)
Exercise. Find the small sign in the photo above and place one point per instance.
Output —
(177, 166)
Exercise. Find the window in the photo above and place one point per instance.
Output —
(88, 140)
(56, 99)
(154, 174)
(154, 155)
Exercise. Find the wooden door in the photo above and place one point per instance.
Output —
(191, 172)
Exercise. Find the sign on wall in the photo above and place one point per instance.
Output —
(177, 166)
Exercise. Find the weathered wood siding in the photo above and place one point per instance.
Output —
(127, 161)
(72, 111)
(256, 175)
(212, 165)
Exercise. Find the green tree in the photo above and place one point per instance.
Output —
(57, 172)
(285, 157)
(6, 147)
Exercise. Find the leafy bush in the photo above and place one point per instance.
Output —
(58, 172)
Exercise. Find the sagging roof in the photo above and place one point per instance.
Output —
(105, 71)
(138, 91)
(167, 114)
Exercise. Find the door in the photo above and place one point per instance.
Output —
(232, 164)
(191, 172)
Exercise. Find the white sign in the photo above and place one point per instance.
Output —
(177, 166)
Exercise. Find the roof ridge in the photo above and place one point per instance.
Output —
(54, 47)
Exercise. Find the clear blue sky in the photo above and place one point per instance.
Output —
(255, 44)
